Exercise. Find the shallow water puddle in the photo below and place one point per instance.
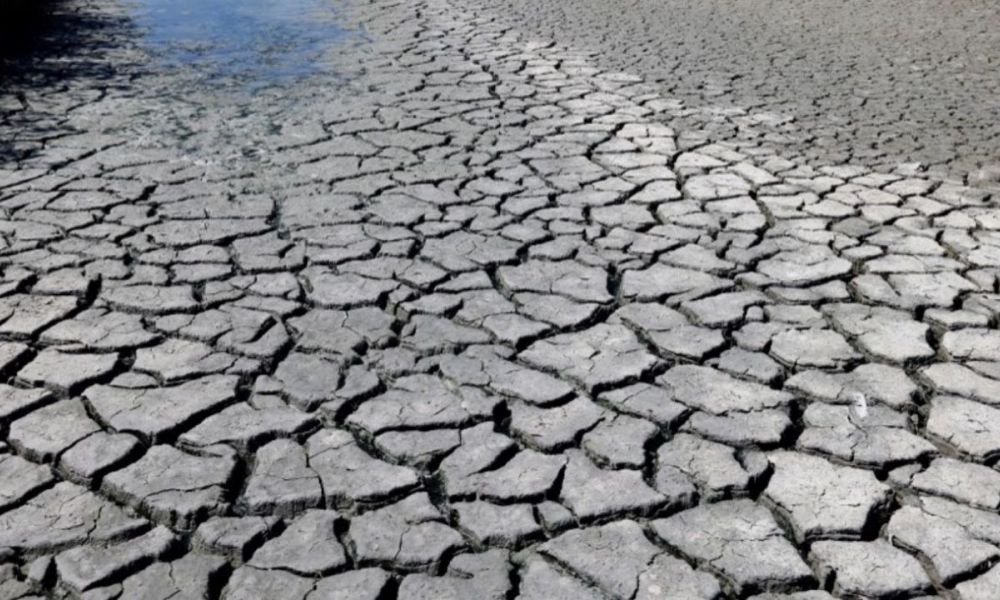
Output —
(260, 42)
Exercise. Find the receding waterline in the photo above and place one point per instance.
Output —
(255, 41)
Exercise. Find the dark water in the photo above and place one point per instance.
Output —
(259, 42)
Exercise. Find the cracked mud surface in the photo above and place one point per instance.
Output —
(872, 83)
(466, 315)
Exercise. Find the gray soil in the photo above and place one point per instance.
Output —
(874, 83)
(392, 302)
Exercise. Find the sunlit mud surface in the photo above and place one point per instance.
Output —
(424, 307)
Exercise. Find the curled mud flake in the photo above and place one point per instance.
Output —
(859, 406)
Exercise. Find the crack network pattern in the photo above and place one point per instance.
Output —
(470, 320)
(878, 83)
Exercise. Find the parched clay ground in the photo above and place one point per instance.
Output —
(472, 316)
(873, 83)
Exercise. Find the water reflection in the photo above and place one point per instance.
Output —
(259, 42)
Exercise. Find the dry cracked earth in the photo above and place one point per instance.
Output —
(466, 315)
(879, 83)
